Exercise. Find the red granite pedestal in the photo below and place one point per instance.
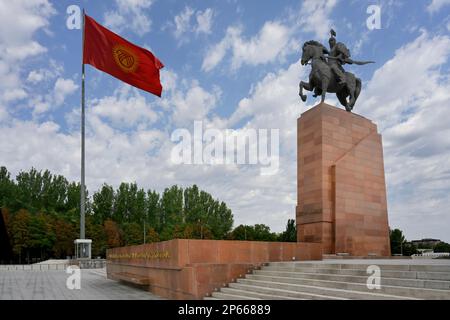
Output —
(191, 269)
(341, 188)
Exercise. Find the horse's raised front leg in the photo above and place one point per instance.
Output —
(305, 85)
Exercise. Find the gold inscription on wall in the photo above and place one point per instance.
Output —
(150, 255)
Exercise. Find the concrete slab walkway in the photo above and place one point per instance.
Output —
(51, 285)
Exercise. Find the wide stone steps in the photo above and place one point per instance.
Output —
(402, 282)
(253, 294)
(329, 292)
(363, 266)
(298, 280)
(385, 289)
(355, 272)
(281, 293)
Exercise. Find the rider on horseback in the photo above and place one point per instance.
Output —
(339, 54)
(327, 74)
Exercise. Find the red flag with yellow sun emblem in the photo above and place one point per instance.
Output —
(110, 53)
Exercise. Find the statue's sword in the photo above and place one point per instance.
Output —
(350, 61)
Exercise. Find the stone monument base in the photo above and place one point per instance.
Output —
(341, 188)
(192, 269)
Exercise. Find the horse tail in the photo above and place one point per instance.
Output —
(357, 88)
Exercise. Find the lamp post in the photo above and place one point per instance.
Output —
(145, 221)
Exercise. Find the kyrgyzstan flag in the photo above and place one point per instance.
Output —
(108, 52)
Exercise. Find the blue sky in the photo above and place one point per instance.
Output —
(231, 64)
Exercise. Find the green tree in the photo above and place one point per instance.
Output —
(133, 233)
(7, 188)
(57, 194)
(397, 241)
(20, 233)
(113, 234)
(409, 249)
(258, 232)
(171, 211)
(139, 207)
(198, 231)
(103, 204)
(218, 218)
(153, 216)
(263, 233)
(45, 213)
(29, 186)
(242, 232)
(151, 235)
(201, 209)
(73, 198)
(42, 235)
(65, 233)
(96, 232)
(442, 247)
(194, 207)
(290, 234)
(121, 204)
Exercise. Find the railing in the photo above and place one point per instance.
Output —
(430, 255)
(90, 264)
(34, 267)
(83, 264)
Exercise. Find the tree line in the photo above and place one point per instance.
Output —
(401, 246)
(41, 216)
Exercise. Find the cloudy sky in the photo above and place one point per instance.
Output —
(231, 64)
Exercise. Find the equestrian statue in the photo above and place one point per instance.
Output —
(327, 72)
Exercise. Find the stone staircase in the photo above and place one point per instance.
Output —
(339, 280)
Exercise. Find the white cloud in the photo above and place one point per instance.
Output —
(204, 21)
(274, 40)
(315, 17)
(182, 22)
(130, 14)
(20, 52)
(15, 94)
(63, 88)
(409, 104)
(35, 76)
(24, 19)
(423, 56)
(195, 103)
(126, 108)
(53, 71)
(217, 52)
(191, 21)
(271, 43)
(436, 5)
(274, 103)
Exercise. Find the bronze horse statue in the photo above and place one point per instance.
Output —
(322, 79)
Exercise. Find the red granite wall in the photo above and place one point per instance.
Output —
(190, 269)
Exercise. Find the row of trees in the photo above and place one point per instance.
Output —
(399, 245)
(41, 214)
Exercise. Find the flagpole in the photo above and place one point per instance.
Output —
(82, 190)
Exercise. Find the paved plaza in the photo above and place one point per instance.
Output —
(51, 285)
